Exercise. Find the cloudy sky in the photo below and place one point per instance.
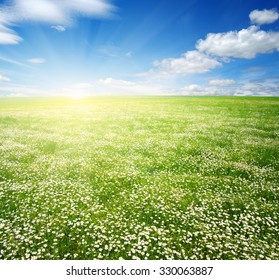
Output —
(103, 47)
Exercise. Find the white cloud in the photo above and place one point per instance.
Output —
(191, 62)
(11, 61)
(225, 82)
(110, 86)
(263, 16)
(251, 88)
(124, 87)
(204, 90)
(246, 43)
(193, 89)
(37, 60)
(99, 8)
(4, 79)
(21, 91)
(62, 12)
(116, 83)
(246, 88)
(220, 47)
(59, 28)
(7, 35)
(39, 10)
(9, 38)
(199, 90)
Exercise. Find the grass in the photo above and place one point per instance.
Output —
(139, 178)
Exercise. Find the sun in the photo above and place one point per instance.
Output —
(75, 95)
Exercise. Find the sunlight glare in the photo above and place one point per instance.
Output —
(76, 95)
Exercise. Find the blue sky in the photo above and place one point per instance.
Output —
(97, 47)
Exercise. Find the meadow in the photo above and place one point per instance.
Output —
(139, 178)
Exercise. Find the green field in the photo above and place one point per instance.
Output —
(139, 178)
